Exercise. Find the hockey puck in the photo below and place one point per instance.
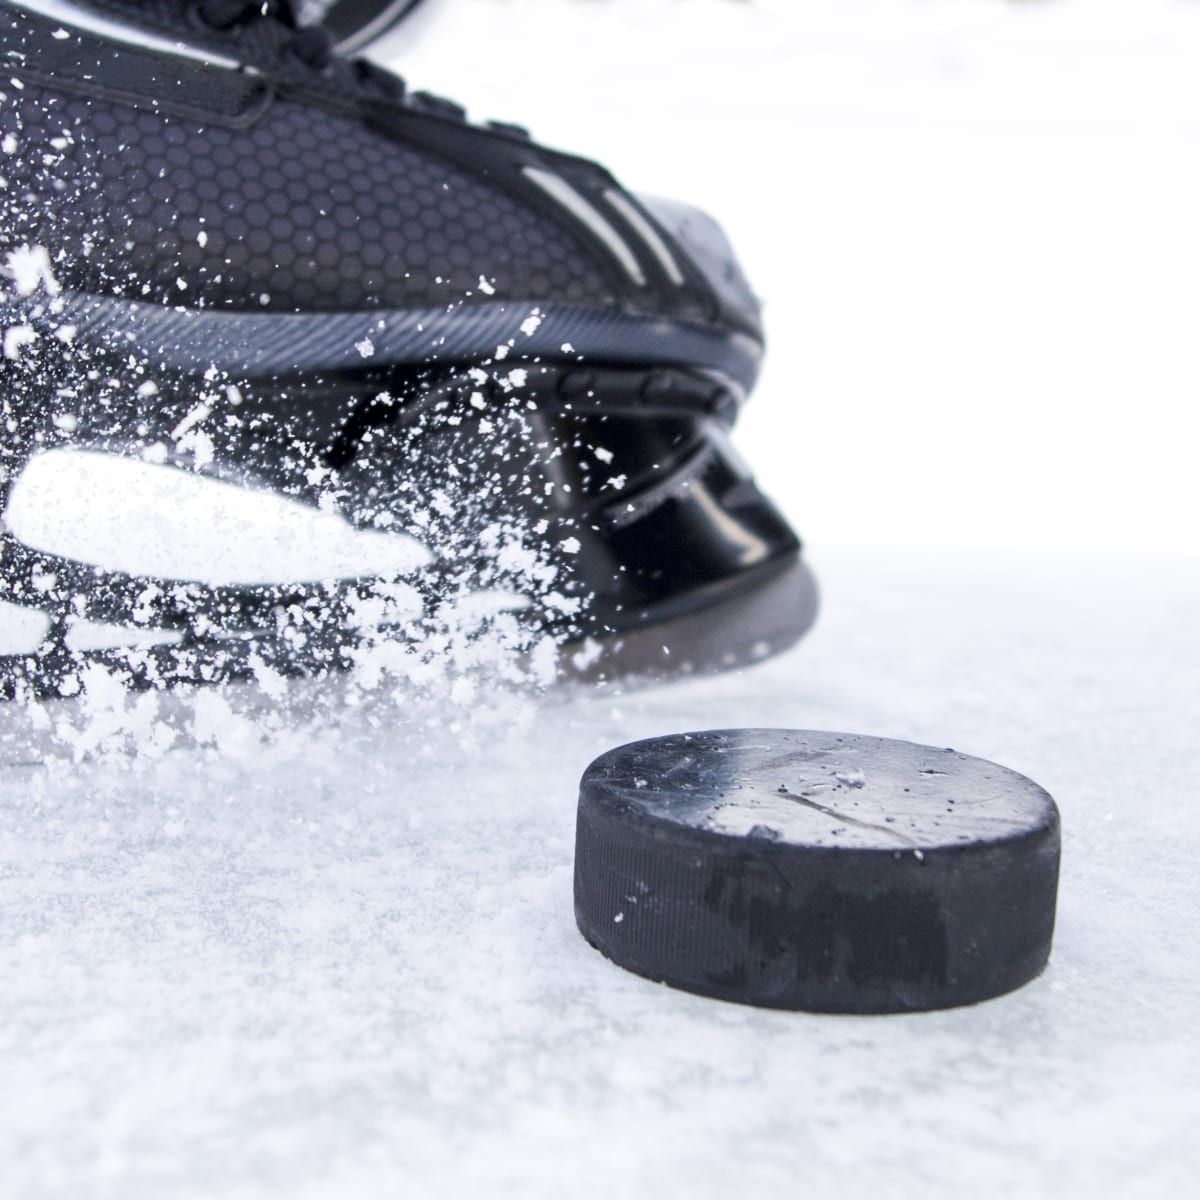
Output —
(822, 871)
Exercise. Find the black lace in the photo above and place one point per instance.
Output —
(312, 44)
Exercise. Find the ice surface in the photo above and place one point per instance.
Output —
(345, 964)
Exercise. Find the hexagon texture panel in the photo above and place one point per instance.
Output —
(303, 210)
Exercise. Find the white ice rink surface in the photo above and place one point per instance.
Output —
(344, 964)
(353, 970)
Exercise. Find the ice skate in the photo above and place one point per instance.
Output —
(239, 259)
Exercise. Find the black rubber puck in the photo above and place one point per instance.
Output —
(821, 871)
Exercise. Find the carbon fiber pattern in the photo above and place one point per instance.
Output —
(263, 343)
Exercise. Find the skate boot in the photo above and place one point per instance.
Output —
(355, 25)
(488, 376)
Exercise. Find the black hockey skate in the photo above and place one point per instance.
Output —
(236, 256)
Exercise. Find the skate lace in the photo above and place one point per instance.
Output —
(313, 45)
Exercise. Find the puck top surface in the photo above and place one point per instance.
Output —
(826, 871)
(819, 789)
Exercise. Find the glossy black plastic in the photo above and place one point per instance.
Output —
(627, 477)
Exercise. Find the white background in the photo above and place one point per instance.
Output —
(975, 225)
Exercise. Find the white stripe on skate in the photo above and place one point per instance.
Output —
(557, 188)
(633, 216)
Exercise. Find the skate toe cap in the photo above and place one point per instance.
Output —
(710, 251)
